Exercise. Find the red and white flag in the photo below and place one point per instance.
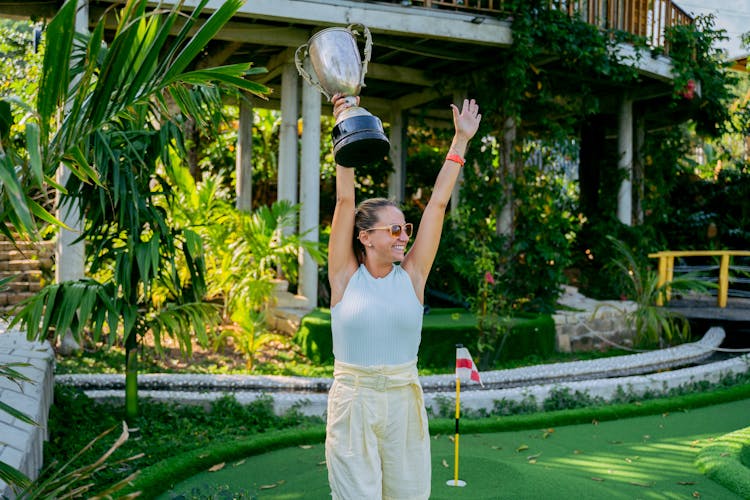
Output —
(465, 367)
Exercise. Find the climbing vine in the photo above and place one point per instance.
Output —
(560, 72)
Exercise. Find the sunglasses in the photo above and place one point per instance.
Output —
(395, 229)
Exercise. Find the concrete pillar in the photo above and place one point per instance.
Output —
(397, 178)
(625, 162)
(309, 189)
(244, 160)
(639, 168)
(70, 258)
(288, 138)
(70, 255)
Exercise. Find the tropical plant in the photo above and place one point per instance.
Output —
(18, 185)
(60, 482)
(113, 94)
(653, 325)
(245, 253)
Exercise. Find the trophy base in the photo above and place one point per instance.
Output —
(359, 140)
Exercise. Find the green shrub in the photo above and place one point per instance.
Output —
(562, 398)
(314, 336)
(442, 329)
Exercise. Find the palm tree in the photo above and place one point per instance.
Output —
(115, 131)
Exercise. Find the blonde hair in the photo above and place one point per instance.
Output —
(365, 217)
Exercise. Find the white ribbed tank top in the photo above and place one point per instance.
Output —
(378, 320)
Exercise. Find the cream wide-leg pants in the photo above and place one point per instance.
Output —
(377, 438)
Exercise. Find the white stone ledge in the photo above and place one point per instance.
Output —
(21, 444)
(606, 389)
(577, 370)
(314, 404)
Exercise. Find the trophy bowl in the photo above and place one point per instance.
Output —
(358, 136)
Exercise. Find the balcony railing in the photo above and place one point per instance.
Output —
(646, 18)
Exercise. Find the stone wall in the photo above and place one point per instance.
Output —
(584, 324)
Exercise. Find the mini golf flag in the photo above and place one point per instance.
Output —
(467, 370)
(465, 367)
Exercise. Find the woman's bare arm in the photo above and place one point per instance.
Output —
(418, 261)
(342, 262)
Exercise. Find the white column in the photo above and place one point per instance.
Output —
(70, 255)
(288, 138)
(309, 189)
(244, 159)
(397, 178)
(625, 162)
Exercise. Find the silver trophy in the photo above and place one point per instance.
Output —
(358, 136)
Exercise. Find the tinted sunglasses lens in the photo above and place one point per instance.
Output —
(396, 230)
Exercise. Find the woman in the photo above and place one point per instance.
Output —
(377, 442)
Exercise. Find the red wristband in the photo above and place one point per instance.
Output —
(456, 158)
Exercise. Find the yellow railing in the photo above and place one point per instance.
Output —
(666, 268)
(646, 18)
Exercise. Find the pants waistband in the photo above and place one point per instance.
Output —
(380, 378)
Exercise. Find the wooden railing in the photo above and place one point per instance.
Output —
(646, 18)
(666, 269)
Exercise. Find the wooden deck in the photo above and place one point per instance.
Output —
(645, 18)
(705, 308)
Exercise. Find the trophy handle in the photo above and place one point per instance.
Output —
(368, 49)
(299, 57)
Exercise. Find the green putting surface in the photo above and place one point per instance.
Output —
(649, 457)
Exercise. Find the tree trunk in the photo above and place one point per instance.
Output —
(131, 379)
(192, 136)
(507, 171)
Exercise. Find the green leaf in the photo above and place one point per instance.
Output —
(86, 305)
(79, 166)
(6, 119)
(203, 36)
(49, 310)
(16, 414)
(129, 318)
(55, 69)
(35, 153)
(208, 75)
(41, 213)
(13, 476)
(13, 192)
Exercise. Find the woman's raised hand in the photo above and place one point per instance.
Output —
(467, 120)
(341, 102)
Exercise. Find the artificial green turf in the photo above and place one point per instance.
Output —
(722, 460)
(642, 457)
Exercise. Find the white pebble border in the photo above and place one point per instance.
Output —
(599, 377)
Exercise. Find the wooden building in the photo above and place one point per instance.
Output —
(416, 43)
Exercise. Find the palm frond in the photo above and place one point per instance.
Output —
(62, 482)
(13, 476)
(141, 62)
